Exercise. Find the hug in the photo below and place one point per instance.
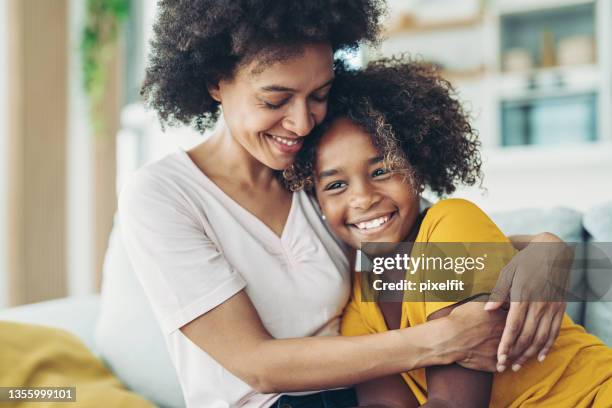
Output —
(245, 244)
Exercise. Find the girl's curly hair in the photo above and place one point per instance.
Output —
(413, 117)
(198, 42)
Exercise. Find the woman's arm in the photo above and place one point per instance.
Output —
(233, 334)
(537, 272)
(521, 241)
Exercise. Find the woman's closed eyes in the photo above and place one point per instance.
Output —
(320, 97)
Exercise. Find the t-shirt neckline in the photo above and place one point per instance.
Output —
(225, 198)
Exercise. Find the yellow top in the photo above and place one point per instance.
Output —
(577, 371)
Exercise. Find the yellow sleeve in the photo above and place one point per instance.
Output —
(458, 220)
(460, 230)
(353, 319)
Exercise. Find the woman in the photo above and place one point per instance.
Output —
(246, 282)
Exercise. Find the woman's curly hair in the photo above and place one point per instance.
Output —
(413, 117)
(198, 42)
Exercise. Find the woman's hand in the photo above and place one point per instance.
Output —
(534, 284)
(476, 335)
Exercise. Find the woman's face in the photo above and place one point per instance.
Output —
(269, 109)
(361, 200)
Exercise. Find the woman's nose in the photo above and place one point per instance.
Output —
(300, 120)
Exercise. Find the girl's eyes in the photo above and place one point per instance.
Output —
(335, 185)
(380, 172)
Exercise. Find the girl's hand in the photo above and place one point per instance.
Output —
(533, 284)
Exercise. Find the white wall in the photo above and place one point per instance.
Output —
(3, 158)
(141, 139)
(578, 177)
(79, 168)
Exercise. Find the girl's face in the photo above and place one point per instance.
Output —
(269, 109)
(361, 200)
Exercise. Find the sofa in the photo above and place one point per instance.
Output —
(119, 326)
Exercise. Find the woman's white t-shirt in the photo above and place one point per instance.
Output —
(193, 247)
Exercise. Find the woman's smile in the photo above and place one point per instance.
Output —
(286, 145)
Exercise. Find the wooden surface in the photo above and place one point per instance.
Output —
(38, 104)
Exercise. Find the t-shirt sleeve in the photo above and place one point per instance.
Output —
(458, 229)
(353, 321)
(180, 268)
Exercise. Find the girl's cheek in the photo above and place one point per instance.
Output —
(327, 208)
(335, 214)
(320, 113)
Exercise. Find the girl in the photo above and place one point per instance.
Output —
(393, 129)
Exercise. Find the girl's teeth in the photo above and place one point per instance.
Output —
(286, 142)
(373, 223)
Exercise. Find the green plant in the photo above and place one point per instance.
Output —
(98, 44)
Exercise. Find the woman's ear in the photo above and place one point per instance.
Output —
(215, 93)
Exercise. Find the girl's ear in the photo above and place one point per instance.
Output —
(215, 93)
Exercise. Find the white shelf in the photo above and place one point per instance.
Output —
(507, 7)
(408, 25)
(472, 52)
(542, 83)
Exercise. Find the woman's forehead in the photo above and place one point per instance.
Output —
(312, 66)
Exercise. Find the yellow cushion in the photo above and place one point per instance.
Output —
(37, 356)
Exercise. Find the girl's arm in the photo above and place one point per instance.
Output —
(386, 392)
(449, 385)
(233, 334)
(457, 387)
(454, 386)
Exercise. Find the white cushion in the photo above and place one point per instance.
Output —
(127, 335)
(74, 314)
(598, 222)
(598, 314)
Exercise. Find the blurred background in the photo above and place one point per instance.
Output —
(536, 76)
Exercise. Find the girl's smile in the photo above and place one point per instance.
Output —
(373, 225)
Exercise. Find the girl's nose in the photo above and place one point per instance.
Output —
(363, 196)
